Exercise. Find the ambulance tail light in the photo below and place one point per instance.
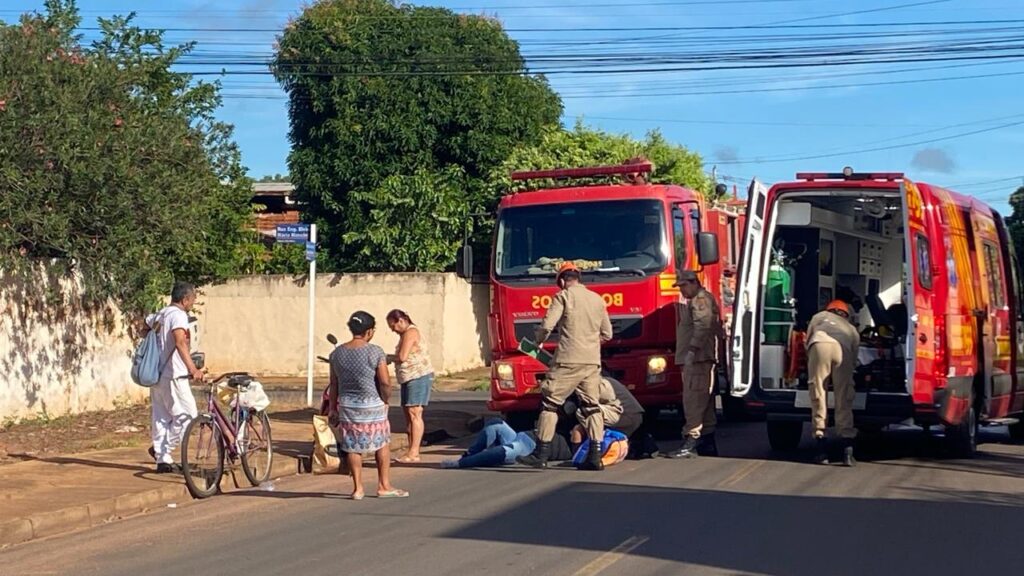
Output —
(941, 359)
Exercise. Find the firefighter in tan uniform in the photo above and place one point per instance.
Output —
(583, 325)
(698, 331)
(832, 343)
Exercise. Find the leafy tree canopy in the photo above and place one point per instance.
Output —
(381, 96)
(1016, 222)
(583, 146)
(111, 163)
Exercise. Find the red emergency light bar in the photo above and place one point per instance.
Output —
(590, 172)
(849, 174)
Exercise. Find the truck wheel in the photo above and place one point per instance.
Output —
(1017, 431)
(784, 435)
(521, 421)
(962, 439)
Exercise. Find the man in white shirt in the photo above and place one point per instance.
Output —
(174, 406)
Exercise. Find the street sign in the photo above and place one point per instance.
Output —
(310, 251)
(293, 233)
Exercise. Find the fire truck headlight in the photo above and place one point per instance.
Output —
(504, 372)
(656, 365)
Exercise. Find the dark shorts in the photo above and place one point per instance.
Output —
(417, 392)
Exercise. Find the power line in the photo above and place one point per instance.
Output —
(648, 28)
(877, 149)
(858, 12)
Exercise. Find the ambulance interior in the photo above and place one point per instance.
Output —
(836, 245)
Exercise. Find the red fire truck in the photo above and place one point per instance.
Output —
(941, 322)
(630, 238)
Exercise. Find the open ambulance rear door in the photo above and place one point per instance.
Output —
(746, 332)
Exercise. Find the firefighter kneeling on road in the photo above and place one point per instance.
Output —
(583, 325)
(832, 343)
(698, 331)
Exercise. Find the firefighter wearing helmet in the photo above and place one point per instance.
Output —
(832, 343)
(583, 325)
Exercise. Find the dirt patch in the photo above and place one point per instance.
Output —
(124, 427)
(479, 379)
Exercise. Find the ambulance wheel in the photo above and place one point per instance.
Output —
(962, 439)
(784, 435)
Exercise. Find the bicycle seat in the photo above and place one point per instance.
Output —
(239, 381)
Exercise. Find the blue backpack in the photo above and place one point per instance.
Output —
(614, 448)
(146, 362)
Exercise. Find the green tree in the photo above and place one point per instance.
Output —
(583, 146)
(379, 95)
(274, 178)
(112, 163)
(1015, 222)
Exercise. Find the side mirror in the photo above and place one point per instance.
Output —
(332, 339)
(707, 248)
(464, 262)
(199, 359)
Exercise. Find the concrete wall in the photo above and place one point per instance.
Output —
(56, 356)
(259, 324)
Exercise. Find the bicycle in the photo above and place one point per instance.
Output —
(244, 436)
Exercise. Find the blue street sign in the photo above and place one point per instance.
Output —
(293, 233)
(310, 251)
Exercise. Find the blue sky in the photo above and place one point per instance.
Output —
(764, 123)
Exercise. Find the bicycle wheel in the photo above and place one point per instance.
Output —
(202, 457)
(256, 451)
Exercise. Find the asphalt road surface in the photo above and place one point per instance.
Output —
(906, 511)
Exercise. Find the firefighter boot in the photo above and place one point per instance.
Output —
(848, 459)
(821, 454)
(593, 461)
(688, 449)
(707, 446)
(539, 457)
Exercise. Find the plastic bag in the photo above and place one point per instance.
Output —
(253, 397)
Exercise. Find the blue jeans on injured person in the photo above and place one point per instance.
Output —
(497, 444)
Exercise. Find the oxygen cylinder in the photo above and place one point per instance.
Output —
(778, 305)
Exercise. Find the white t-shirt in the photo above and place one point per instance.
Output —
(171, 318)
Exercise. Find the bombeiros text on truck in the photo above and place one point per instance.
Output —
(628, 238)
(936, 288)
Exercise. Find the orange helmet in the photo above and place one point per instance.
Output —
(838, 306)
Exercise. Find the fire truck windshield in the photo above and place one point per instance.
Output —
(607, 236)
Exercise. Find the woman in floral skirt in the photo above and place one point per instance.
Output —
(359, 393)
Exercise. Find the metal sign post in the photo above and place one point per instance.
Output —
(305, 234)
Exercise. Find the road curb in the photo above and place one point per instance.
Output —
(55, 522)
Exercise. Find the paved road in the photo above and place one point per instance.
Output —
(905, 512)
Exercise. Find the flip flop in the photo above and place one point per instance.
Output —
(407, 460)
(357, 496)
(396, 493)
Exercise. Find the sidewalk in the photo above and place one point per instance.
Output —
(52, 495)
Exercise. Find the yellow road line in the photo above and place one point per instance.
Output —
(612, 556)
(742, 473)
